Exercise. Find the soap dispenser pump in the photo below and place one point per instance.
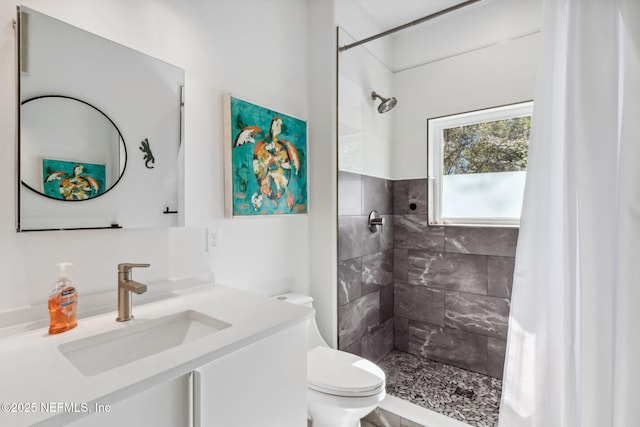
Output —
(63, 301)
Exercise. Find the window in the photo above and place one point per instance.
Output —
(477, 165)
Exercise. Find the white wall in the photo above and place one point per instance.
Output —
(251, 48)
(480, 56)
(363, 133)
(323, 180)
(496, 75)
(358, 24)
(472, 27)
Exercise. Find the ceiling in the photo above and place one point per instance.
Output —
(389, 14)
(474, 26)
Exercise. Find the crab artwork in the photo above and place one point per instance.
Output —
(278, 182)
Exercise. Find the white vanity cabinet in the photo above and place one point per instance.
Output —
(166, 405)
(263, 384)
(249, 373)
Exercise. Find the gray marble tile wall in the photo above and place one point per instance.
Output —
(452, 286)
(365, 267)
(438, 292)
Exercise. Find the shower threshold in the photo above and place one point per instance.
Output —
(466, 396)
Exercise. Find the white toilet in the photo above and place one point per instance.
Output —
(341, 387)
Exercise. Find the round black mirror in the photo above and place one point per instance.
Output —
(69, 149)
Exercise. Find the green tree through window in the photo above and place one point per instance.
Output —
(497, 146)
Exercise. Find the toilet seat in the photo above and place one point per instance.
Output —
(342, 374)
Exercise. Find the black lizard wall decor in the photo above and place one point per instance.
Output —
(148, 155)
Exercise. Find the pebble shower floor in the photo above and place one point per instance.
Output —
(457, 393)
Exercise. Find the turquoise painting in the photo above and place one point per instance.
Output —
(67, 180)
(268, 162)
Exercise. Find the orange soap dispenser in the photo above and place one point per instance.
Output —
(63, 301)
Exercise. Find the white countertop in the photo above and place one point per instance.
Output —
(34, 371)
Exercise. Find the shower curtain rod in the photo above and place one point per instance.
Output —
(410, 24)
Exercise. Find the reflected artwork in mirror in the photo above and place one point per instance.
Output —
(70, 150)
(82, 101)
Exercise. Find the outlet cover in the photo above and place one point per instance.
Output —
(213, 237)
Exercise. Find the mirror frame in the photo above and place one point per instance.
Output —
(169, 209)
(122, 142)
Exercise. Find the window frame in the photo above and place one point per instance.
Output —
(435, 127)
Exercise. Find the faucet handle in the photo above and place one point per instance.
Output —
(375, 221)
(126, 267)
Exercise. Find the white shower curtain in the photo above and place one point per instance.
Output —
(573, 350)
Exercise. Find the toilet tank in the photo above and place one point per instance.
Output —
(298, 299)
(315, 339)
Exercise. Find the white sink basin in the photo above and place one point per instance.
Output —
(100, 353)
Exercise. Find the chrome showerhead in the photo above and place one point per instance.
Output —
(386, 104)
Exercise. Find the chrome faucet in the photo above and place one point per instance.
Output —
(126, 285)
(375, 221)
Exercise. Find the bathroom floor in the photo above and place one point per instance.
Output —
(457, 393)
(381, 418)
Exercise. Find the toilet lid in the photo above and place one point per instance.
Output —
(342, 374)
